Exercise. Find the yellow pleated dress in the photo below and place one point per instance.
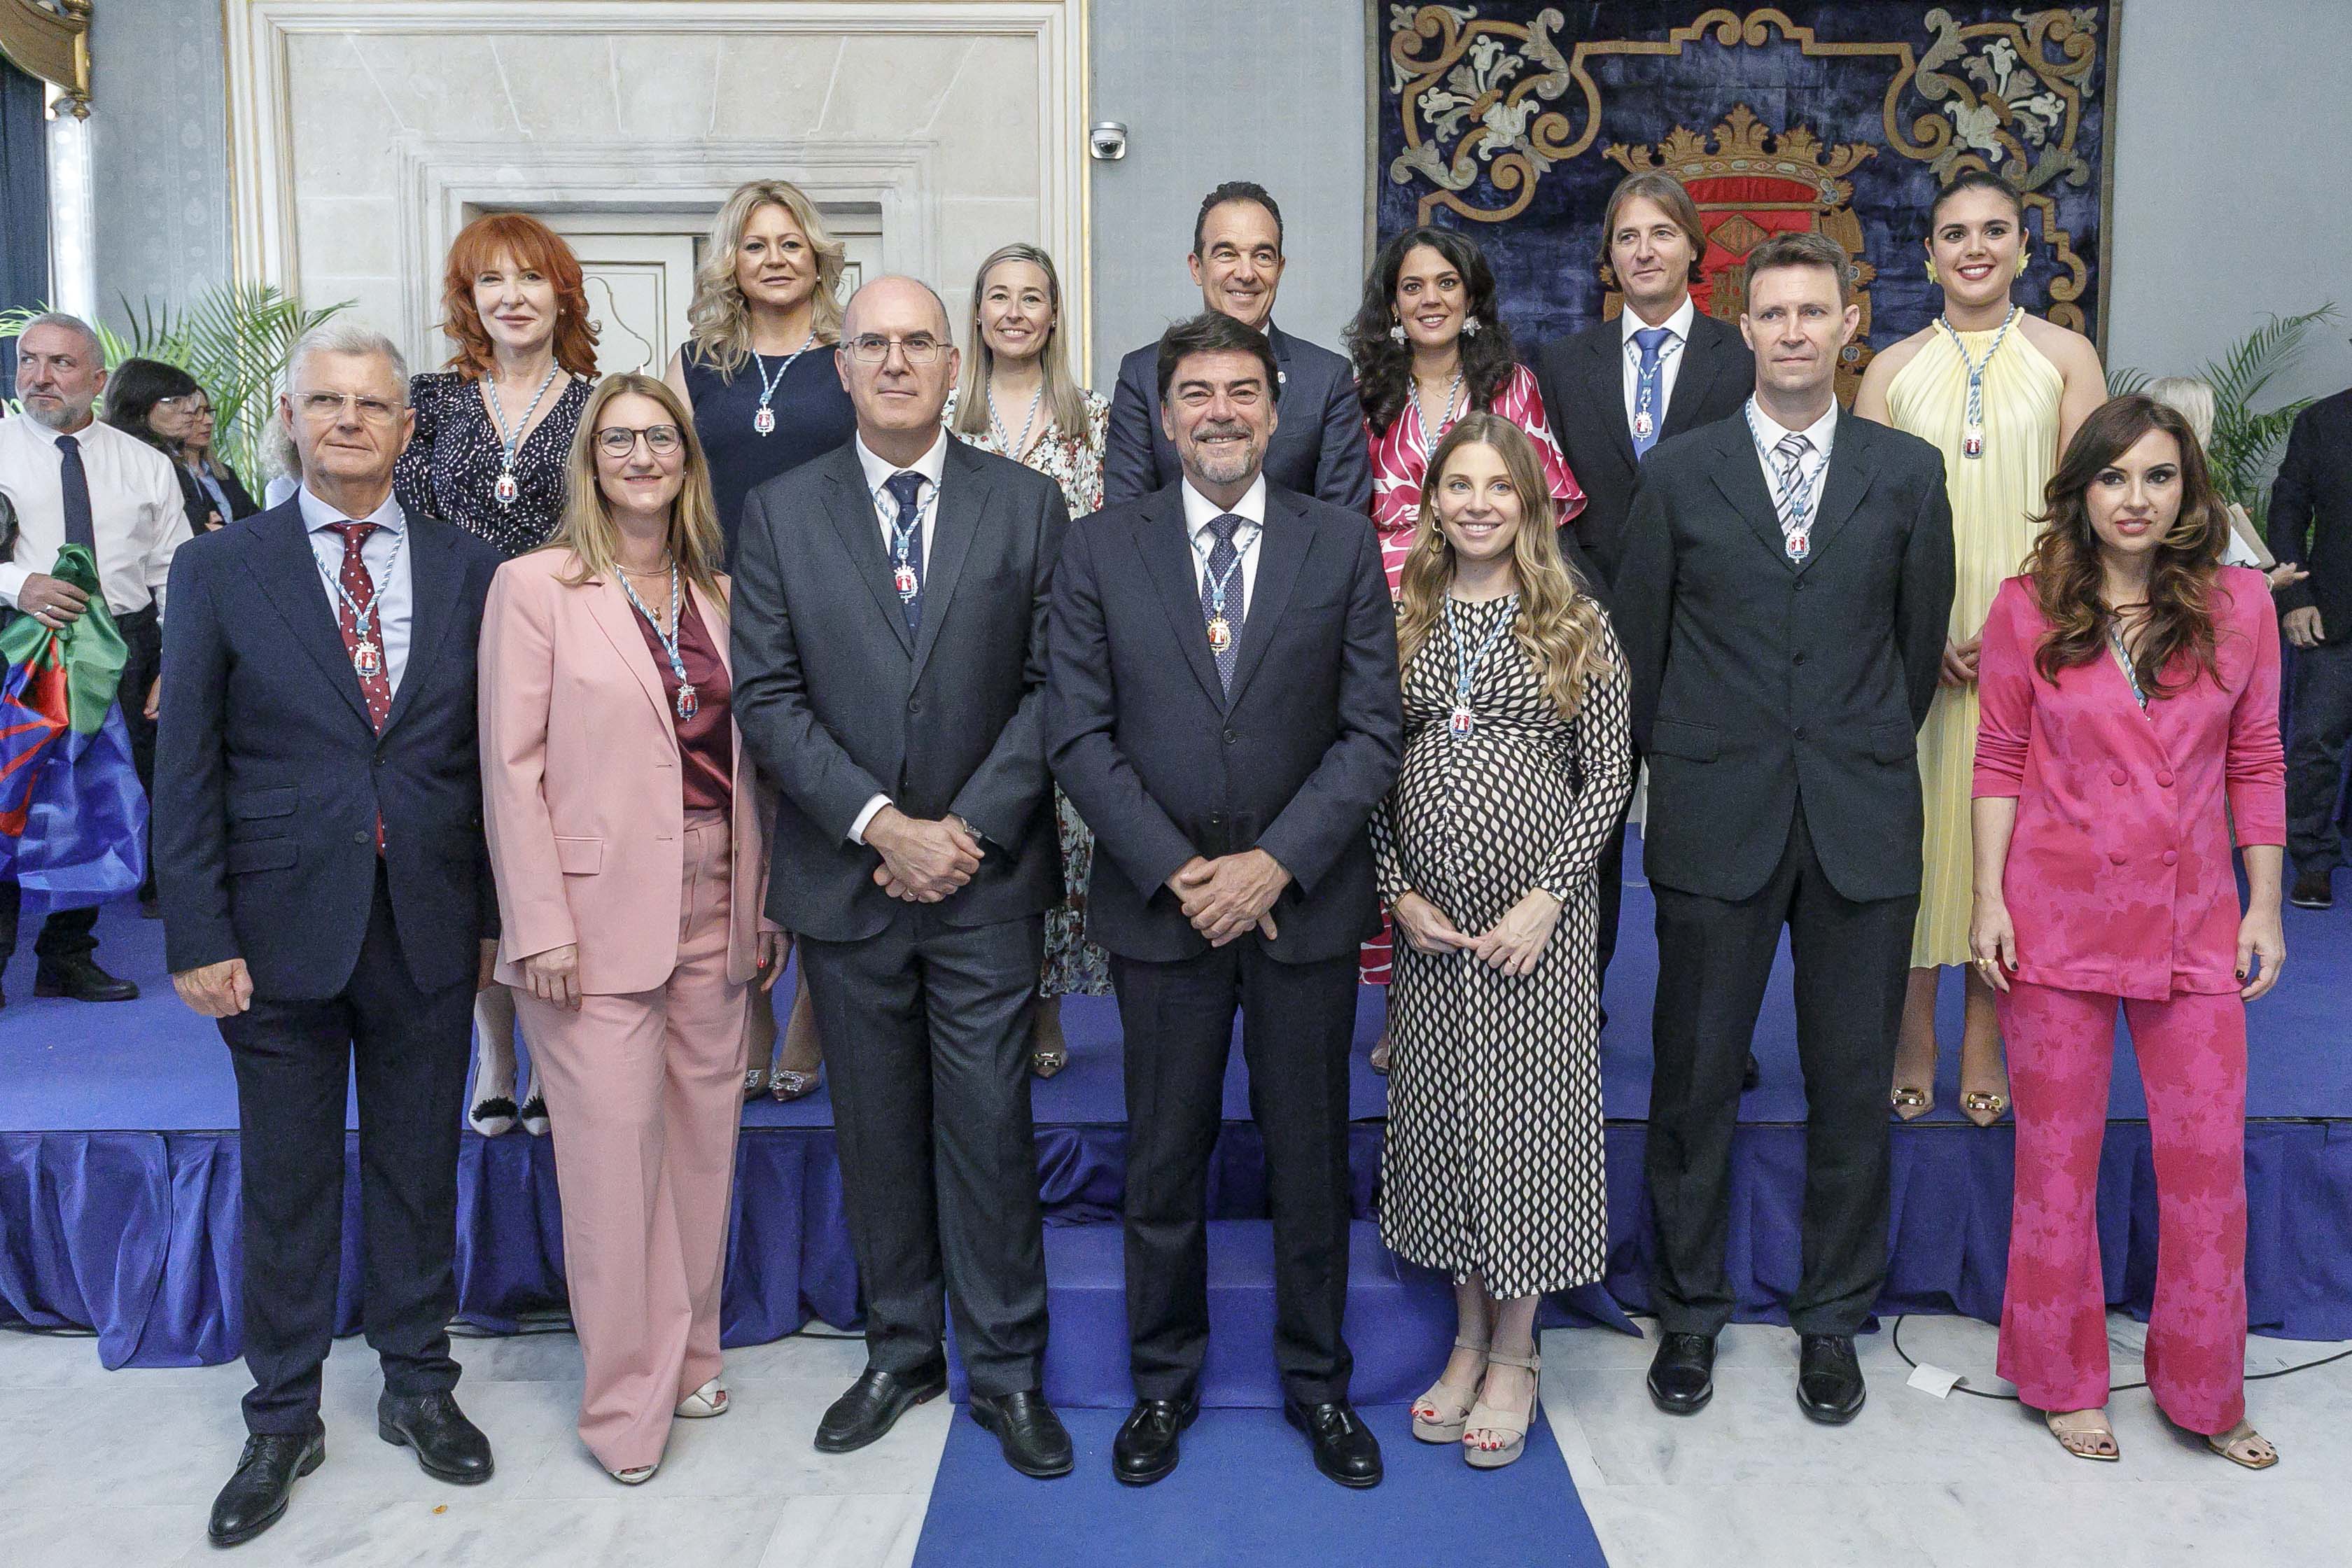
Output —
(1994, 500)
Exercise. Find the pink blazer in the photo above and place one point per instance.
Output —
(2119, 879)
(581, 797)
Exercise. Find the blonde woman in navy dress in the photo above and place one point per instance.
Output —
(1019, 400)
(759, 373)
(493, 430)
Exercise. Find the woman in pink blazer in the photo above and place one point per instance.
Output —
(623, 823)
(2130, 689)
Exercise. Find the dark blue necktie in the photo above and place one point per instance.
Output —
(1652, 342)
(905, 488)
(73, 480)
(1223, 581)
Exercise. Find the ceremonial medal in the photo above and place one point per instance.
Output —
(1221, 634)
(1643, 425)
(506, 489)
(764, 421)
(1800, 543)
(1466, 665)
(1972, 432)
(1463, 722)
(903, 579)
(1972, 441)
(687, 706)
(368, 660)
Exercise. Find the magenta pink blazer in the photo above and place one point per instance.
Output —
(2119, 878)
(581, 800)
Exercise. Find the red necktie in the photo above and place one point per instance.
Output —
(375, 672)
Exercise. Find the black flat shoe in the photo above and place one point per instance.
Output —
(1829, 1378)
(874, 1404)
(256, 1497)
(2312, 890)
(1752, 1076)
(1682, 1374)
(450, 1447)
(1146, 1447)
(1035, 1442)
(1345, 1448)
(81, 979)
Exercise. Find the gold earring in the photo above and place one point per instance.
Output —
(1930, 265)
(2022, 258)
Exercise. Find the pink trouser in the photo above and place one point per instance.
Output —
(2054, 1327)
(644, 1094)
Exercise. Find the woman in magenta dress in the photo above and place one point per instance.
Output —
(1430, 346)
(2129, 690)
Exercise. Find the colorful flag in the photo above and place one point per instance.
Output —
(73, 818)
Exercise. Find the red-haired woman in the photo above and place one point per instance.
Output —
(492, 433)
(2129, 691)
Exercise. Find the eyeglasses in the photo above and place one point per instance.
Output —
(189, 402)
(619, 440)
(325, 405)
(873, 349)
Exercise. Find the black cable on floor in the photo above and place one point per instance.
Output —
(1894, 1337)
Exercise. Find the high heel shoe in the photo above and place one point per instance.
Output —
(789, 1085)
(1447, 1413)
(635, 1475)
(1910, 1104)
(1512, 1423)
(755, 1083)
(709, 1400)
(492, 1116)
(533, 1115)
(1983, 1107)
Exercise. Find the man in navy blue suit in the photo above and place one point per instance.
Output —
(1221, 707)
(327, 897)
(1320, 448)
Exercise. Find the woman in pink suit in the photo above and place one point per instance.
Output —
(2130, 689)
(624, 834)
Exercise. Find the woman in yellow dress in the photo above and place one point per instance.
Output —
(1999, 391)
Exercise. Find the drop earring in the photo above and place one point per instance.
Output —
(1396, 331)
(2022, 258)
(1470, 327)
(1930, 265)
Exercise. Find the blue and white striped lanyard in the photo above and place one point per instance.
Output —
(1466, 669)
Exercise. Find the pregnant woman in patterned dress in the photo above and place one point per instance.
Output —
(1430, 346)
(1019, 400)
(1518, 757)
(1999, 392)
(493, 433)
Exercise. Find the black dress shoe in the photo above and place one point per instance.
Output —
(80, 978)
(874, 1404)
(1035, 1442)
(449, 1447)
(1682, 1374)
(2313, 890)
(255, 1498)
(1753, 1076)
(1829, 1378)
(1145, 1450)
(1345, 1448)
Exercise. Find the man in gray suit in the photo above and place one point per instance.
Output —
(889, 669)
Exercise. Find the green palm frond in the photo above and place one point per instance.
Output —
(2125, 379)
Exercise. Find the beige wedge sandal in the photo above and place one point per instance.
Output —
(1512, 1423)
(1440, 1414)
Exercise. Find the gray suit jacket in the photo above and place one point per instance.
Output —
(839, 704)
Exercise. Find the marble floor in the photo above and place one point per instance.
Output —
(117, 1469)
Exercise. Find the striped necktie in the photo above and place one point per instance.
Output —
(1794, 501)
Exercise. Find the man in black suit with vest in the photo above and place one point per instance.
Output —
(1781, 602)
(1224, 713)
(1321, 450)
(2310, 527)
(327, 897)
(889, 669)
(1616, 389)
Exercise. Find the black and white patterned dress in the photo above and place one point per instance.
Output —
(1492, 1158)
(450, 468)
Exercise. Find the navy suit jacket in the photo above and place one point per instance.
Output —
(1163, 765)
(839, 704)
(1319, 448)
(269, 777)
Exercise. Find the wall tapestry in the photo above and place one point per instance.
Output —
(1512, 121)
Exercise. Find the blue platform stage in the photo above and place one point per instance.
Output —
(119, 1183)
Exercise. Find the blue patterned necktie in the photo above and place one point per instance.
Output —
(905, 488)
(1652, 342)
(1224, 569)
(73, 486)
(1794, 503)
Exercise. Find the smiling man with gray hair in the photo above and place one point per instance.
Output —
(70, 479)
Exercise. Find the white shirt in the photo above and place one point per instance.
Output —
(1670, 356)
(385, 554)
(137, 517)
(931, 465)
(1815, 463)
(1200, 512)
